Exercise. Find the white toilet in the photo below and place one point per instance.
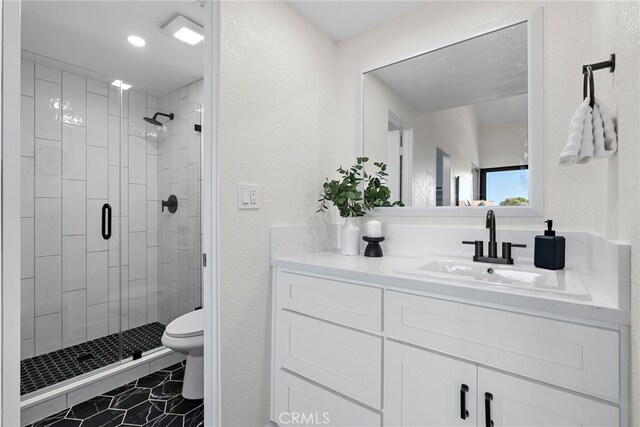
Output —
(186, 335)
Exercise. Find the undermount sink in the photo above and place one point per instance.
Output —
(567, 283)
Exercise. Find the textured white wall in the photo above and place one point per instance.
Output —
(277, 120)
(600, 197)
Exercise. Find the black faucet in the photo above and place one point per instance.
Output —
(493, 245)
(491, 225)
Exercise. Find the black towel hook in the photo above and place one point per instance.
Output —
(588, 75)
(587, 72)
(610, 64)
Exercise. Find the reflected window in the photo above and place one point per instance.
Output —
(505, 186)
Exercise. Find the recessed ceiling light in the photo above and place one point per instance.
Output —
(188, 36)
(136, 41)
(118, 83)
(184, 30)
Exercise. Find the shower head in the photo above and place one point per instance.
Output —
(154, 120)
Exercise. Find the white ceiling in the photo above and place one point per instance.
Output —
(93, 35)
(341, 20)
(482, 69)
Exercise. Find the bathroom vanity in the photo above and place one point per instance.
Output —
(387, 342)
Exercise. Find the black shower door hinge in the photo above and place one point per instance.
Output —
(204, 260)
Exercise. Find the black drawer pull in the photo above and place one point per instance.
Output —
(106, 221)
(488, 397)
(463, 405)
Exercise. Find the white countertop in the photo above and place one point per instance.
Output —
(384, 272)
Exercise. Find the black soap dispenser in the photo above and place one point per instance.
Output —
(549, 249)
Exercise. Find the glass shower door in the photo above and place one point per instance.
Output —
(140, 212)
(70, 253)
(104, 269)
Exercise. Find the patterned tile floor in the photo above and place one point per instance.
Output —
(51, 368)
(151, 401)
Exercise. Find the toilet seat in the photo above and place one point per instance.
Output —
(187, 325)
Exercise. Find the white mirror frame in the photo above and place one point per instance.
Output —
(535, 131)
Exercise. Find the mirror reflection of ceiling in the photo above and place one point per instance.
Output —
(502, 110)
(425, 81)
(93, 35)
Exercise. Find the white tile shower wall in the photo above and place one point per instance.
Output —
(179, 287)
(73, 144)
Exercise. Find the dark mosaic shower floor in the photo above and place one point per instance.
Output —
(151, 401)
(51, 368)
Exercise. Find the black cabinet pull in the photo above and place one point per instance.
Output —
(463, 406)
(488, 397)
(106, 221)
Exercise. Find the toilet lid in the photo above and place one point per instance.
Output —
(187, 325)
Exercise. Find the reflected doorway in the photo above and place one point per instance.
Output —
(399, 159)
(443, 178)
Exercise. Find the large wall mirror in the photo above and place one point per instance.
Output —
(460, 126)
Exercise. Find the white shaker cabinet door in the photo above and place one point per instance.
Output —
(427, 389)
(505, 400)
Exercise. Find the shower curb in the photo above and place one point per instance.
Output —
(78, 390)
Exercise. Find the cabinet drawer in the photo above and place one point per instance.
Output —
(341, 359)
(577, 357)
(298, 398)
(341, 302)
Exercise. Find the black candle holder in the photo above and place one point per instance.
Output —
(373, 248)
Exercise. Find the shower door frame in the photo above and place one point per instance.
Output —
(10, 213)
(210, 223)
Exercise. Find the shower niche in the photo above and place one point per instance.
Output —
(104, 268)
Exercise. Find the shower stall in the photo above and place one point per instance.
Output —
(110, 218)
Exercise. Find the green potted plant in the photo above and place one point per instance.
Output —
(348, 196)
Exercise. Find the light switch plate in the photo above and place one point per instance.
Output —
(248, 197)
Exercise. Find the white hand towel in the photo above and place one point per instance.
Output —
(605, 138)
(598, 132)
(569, 154)
(586, 145)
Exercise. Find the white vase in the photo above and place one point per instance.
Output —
(350, 237)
